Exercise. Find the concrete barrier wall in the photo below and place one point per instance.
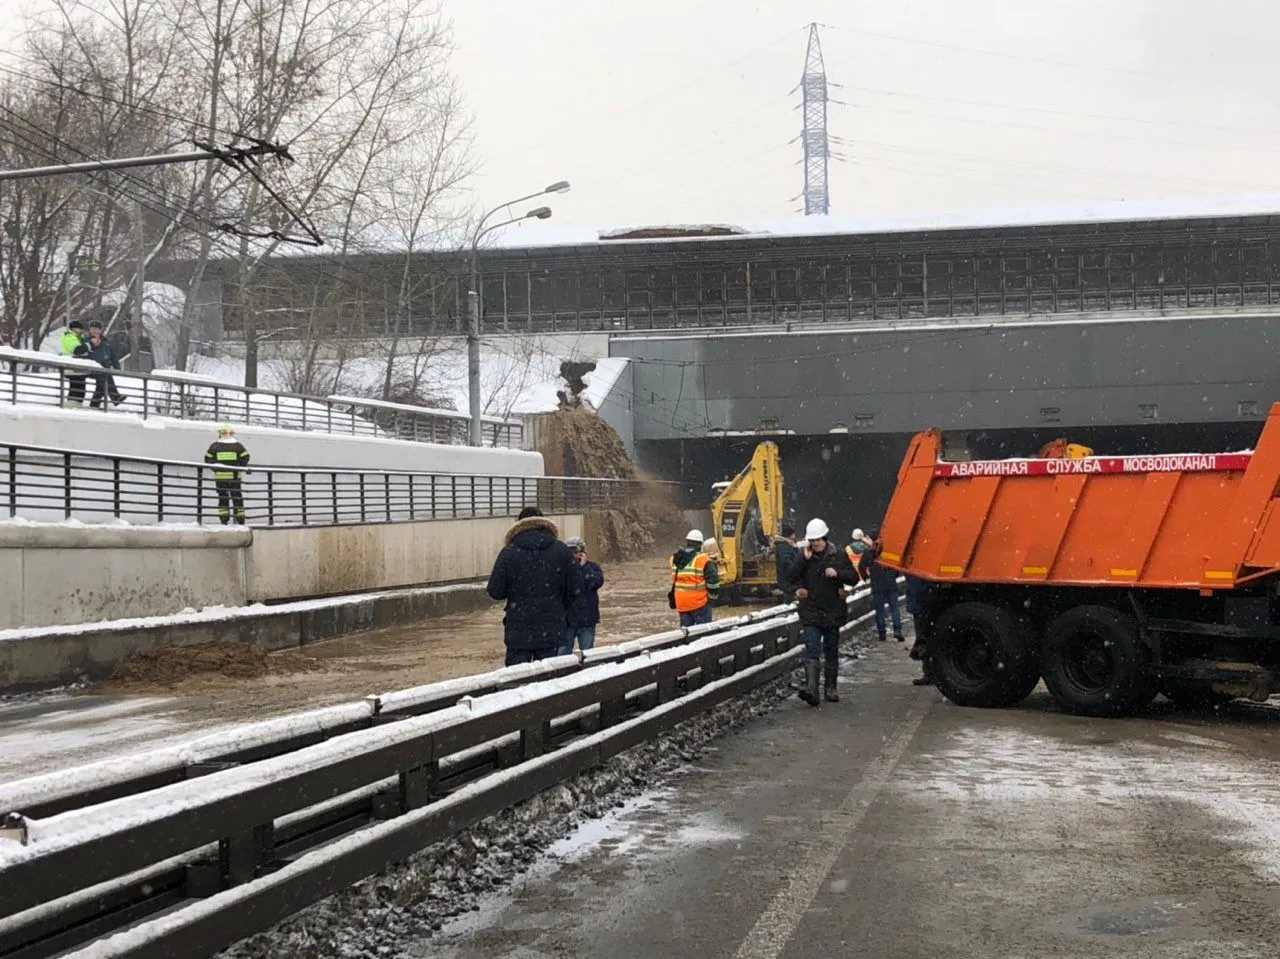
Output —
(326, 560)
(55, 575)
(66, 575)
(59, 657)
(121, 433)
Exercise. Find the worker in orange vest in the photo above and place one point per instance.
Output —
(695, 581)
(859, 545)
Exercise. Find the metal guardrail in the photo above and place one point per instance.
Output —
(49, 484)
(40, 379)
(246, 827)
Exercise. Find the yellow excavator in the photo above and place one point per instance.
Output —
(747, 518)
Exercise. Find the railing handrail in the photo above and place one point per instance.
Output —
(16, 357)
(340, 470)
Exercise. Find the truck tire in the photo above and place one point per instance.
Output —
(1096, 664)
(1189, 694)
(982, 655)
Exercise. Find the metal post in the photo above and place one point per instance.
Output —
(473, 365)
(139, 281)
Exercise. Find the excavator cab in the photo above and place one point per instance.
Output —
(1060, 449)
(747, 518)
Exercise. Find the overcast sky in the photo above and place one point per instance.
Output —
(664, 111)
(686, 110)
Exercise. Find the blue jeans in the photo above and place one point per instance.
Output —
(697, 617)
(822, 642)
(878, 600)
(585, 635)
(517, 656)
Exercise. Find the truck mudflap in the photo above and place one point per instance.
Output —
(1228, 679)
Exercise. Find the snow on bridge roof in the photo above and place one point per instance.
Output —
(1178, 208)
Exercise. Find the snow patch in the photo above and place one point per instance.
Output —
(1010, 766)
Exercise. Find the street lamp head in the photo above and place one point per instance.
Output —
(541, 213)
(560, 186)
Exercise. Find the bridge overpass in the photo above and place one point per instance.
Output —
(844, 399)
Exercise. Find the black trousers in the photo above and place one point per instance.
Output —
(106, 385)
(75, 389)
(229, 496)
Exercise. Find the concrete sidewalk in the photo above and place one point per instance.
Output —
(897, 825)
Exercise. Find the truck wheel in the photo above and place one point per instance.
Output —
(982, 655)
(1096, 664)
(1189, 694)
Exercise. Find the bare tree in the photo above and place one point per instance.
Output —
(359, 90)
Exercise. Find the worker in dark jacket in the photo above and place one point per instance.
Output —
(103, 353)
(584, 613)
(916, 588)
(785, 554)
(540, 579)
(884, 591)
(229, 458)
(819, 574)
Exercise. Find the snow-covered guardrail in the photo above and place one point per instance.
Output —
(319, 800)
(30, 377)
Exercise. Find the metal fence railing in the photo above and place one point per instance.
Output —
(46, 484)
(44, 380)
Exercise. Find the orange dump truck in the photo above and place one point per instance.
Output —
(1112, 578)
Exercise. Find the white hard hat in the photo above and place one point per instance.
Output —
(710, 544)
(694, 534)
(816, 529)
(858, 534)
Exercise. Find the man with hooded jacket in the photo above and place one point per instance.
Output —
(818, 575)
(539, 578)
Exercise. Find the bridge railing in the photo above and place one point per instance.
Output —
(38, 378)
(48, 484)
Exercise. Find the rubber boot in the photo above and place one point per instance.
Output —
(829, 683)
(810, 692)
(926, 674)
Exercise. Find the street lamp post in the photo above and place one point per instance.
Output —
(473, 297)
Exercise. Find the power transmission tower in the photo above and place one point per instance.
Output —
(816, 151)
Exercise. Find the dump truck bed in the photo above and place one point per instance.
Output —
(1202, 521)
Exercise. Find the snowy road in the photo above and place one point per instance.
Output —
(897, 825)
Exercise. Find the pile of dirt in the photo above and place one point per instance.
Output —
(577, 442)
(166, 665)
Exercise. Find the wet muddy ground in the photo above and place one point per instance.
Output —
(38, 733)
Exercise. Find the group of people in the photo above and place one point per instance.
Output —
(552, 591)
(551, 588)
(91, 345)
(816, 573)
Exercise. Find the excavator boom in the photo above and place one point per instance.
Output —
(747, 516)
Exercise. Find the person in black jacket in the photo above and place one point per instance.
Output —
(917, 588)
(584, 614)
(819, 574)
(539, 578)
(785, 553)
(884, 590)
(103, 353)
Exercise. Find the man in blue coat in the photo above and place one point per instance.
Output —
(584, 613)
(539, 578)
(884, 590)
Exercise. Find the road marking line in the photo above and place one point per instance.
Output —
(778, 923)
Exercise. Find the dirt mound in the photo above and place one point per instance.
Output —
(169, 664)
(577, 442)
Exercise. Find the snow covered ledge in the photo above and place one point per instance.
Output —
(44, 657)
